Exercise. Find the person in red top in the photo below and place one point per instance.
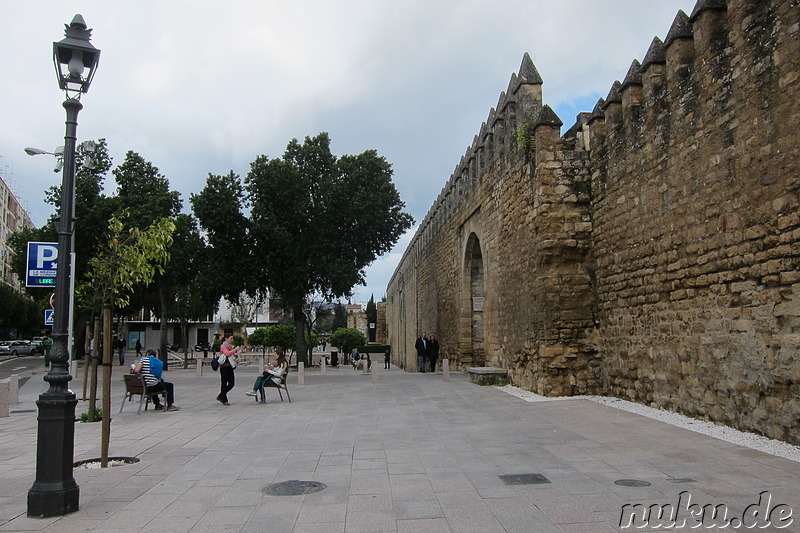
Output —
(227, 363)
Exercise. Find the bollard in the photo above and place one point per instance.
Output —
(364, 367)
(199, 370)
(301, 375)
(445, 370)
(4, 385)
(13, 389)
(322, 365)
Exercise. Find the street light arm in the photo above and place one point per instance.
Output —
(58, 154)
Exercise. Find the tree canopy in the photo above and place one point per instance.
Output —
(346, 339)
(315, 222)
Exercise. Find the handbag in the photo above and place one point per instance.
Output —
(215, 364)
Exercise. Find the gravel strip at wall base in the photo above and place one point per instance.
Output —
(750, 440)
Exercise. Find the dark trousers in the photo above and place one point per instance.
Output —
(163, 385)
(227, 381)
(433, 364)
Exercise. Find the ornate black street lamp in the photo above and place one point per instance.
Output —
(55, 491)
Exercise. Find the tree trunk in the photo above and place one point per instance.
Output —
(86, 360)
(162, 296)
(105, 434)
(93, 385)
(185, 335)
(300, 335)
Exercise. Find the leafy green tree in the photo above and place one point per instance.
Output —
(312, 339)
(144, 193)
(19, 313)
(127, 257)
(321, 221)
(130, 256)
(339, 316)
(93, 208)
(92, 211)
(280, 336)
(315, 311)
(188, 277)
(18, 243)
(325, 321)
(219, 209)
(258, 338)
(346, 339)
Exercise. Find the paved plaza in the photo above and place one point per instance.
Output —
(396, 452)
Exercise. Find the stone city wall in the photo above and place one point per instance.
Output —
(651, 252)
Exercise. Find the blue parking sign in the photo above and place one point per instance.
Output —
(42, 264)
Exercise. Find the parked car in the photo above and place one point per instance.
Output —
(38, 347)
(17, 348)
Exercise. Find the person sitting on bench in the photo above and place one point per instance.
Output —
(273, 375)
(150, 367)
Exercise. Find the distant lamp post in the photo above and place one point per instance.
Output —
(55, 492)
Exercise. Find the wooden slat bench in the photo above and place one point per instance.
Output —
(134, 384)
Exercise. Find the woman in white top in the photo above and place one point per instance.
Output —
(273, 375)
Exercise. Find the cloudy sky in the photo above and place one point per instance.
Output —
(202, 86)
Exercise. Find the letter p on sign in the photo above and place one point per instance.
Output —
(47, 254)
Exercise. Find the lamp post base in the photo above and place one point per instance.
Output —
(53, 503)
(55, 492)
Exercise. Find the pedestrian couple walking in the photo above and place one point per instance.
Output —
(427, 352)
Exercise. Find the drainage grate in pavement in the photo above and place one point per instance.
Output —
(24, 411)
(632, 483)
(682, 480)
(293, 487)
(524, 479)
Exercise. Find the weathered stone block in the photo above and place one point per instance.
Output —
(488, 375)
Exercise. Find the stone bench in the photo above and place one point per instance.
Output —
(488, 375)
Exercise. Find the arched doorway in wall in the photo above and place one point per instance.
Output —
(472, 345)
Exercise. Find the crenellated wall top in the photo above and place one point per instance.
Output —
(519, 105)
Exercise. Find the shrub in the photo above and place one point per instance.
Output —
(98, 416)
(346, 339)
(374, 348)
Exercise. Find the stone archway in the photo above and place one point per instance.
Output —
(473, 351)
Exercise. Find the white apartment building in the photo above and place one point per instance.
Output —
(13, 218)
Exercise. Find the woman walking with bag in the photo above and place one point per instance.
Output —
(227, 363)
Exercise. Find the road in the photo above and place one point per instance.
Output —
(24, 367)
